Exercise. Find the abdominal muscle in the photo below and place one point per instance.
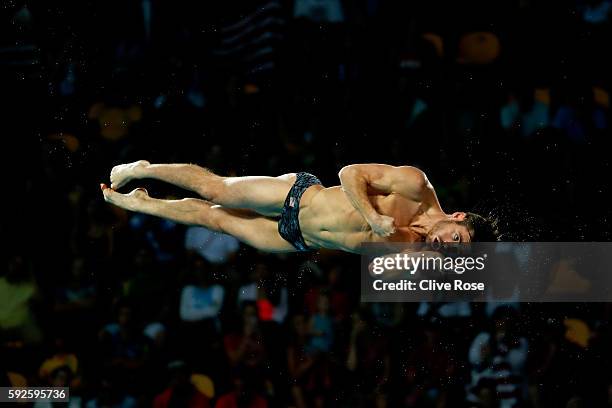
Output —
(329, 220)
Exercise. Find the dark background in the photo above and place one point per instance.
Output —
(505, 105)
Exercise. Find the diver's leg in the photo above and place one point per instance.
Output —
(262, 194)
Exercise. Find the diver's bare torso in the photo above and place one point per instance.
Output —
(329, 220)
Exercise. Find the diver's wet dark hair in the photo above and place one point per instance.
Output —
(481, 229)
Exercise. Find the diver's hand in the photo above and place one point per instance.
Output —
(382, 225)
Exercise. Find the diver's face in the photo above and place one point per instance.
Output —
(448, 231)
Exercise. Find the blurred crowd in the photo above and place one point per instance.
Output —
(505, 105)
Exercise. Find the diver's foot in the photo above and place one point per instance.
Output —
(124, 173)
(128, 201)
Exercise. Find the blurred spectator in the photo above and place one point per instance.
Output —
(17, 291)
(498, 358)
(335, 291)
(162, 236)
(180, 392)
(215, 247)
(266, 291)
(61, 359)
(299, 360)
(387, 315)
(111, 393)
(61, 376)
(200, 303)
(159, 353)
(368, 361)
(202, 300)
(321, 326)
(93, 233)
(114, 121)
(75, 301)
(309, 357)
(156, 333)
(246, 347)
(123, 343)
(429, 367)
(79, 293)
(143, 282)
(244, 393)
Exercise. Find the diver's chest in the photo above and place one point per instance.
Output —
(402, 209)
